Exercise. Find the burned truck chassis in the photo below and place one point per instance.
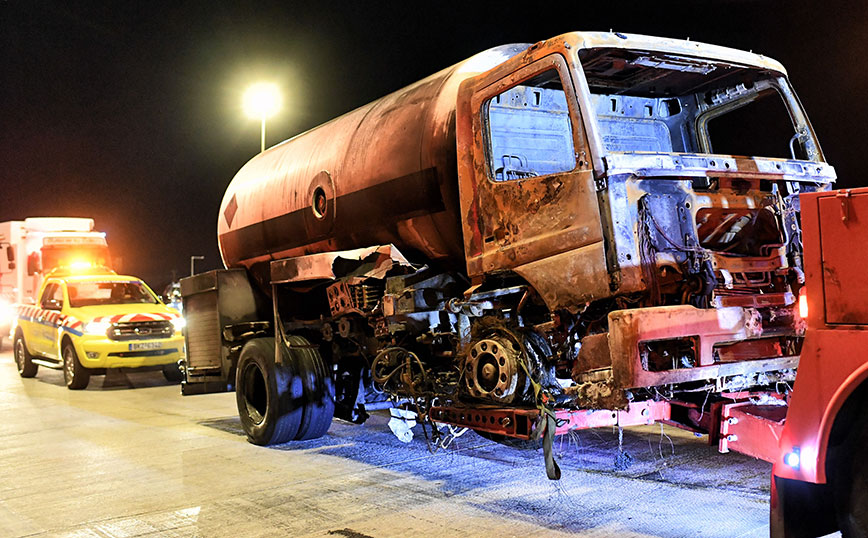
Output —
(493, 357)
(541, 238)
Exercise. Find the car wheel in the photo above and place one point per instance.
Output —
(23, 359)
(172, 372)
(267, 395)
(76, 376)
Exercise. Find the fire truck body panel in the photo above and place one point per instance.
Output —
(833, 360)
(827, 418)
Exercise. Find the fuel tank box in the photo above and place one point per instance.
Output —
(219, 306)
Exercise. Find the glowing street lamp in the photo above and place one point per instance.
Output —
(261, 101)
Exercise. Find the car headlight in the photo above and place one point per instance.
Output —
(179, 323)
(97, 327)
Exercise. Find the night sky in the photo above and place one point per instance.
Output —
(130, 112)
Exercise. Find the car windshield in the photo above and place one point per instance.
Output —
(665, 103)
(108, 292)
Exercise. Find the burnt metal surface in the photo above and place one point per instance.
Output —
(386, 171)
(371, 262)
(568, 239)
(844, 282)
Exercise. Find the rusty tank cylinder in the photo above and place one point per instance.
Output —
(383, 173)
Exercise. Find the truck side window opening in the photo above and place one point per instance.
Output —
(529, 130)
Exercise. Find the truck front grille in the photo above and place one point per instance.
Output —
(141, 330)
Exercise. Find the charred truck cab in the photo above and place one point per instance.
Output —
(596, 222)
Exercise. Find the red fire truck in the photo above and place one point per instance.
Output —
(816, 435)
(820, 476)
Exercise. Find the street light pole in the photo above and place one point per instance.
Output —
(261, 101)
(193, 263)
(262, 145)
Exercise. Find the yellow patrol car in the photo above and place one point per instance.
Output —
(84, 324)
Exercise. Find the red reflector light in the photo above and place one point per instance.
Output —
(803, 304)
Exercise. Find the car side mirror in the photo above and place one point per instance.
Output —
(32, 264)
(54, 304)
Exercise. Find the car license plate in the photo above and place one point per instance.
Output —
(142, 346)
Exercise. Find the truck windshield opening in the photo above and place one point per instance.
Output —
(664, 103)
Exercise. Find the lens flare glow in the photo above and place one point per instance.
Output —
(97, 327)
(179, 323)
(80, 265)
(793, 459)
(803, 305)
(261, 100)
(7, 313)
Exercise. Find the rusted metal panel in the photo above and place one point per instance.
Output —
(570, 279)
(512, 422)
(387, 171)
(638, 413)
(508, 224)
(844, 225)
(372, 262)
(628, 328)
(525, 424)
(723, 166)
(752, 429)
(593, 355)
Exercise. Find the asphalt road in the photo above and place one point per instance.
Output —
(130, 456)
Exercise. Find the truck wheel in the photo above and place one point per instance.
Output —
(851, 485)
(76, 376)
(319, 390)
(23, 359)
(172, 373)
(267, 394)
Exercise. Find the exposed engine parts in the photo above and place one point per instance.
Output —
(400, 371)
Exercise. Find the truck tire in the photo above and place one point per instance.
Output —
(851, 485)
(319, 391)
(76, 376)
(23, 359)
(267, 395)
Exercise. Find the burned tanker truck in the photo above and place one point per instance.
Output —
(596, 229)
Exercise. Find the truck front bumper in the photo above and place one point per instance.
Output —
(636, 334)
